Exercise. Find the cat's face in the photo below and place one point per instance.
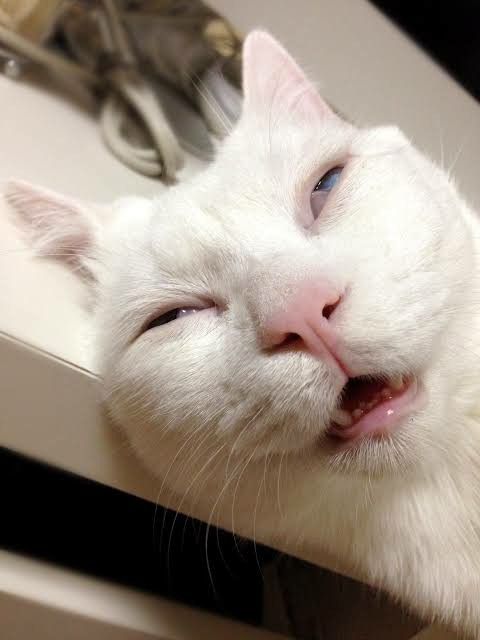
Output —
(287, 285)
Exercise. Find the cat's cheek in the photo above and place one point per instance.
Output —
(165, 375)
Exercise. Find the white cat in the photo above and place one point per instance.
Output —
(290, 340)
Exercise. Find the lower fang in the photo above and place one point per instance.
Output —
(358, 413)
(342, 418)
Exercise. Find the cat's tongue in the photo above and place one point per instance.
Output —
(373, 407)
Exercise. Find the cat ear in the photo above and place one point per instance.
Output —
(272, 80)
(56, 226)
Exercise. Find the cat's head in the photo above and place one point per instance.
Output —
(313, 267)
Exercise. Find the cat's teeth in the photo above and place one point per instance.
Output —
(397, 382)
(341, 417)
(358, 413)
(386, 394)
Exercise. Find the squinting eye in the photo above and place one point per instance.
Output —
(322, 189)
(170, 316)
(329, 180)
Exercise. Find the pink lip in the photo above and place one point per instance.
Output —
(385, 417)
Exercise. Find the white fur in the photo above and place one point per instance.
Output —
(239, 433)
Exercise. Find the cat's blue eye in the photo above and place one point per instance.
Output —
(322, 190)
(329, 180)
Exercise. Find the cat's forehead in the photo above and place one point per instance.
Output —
(283, 148)
(258, 168)
(267, 173)
(243, 206)
(206, 219)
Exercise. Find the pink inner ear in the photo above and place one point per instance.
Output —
(56, 226)
(273, 81)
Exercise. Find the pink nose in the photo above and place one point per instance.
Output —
(305, 322)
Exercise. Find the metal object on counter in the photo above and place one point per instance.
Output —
(167, 73)
(11, 65)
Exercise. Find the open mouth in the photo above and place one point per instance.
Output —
(374, 407)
